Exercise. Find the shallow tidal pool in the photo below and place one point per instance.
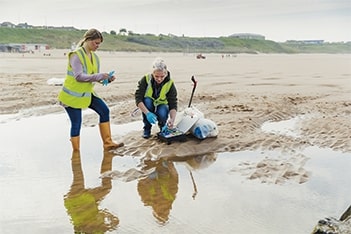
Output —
(47, 189)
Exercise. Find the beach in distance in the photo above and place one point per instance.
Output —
(307, 96)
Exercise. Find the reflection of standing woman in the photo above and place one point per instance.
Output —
(78, 89)
(83, 204)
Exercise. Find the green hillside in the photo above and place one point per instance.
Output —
(63, 39)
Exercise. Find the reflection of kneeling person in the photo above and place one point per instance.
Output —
(159, 189)
(82, 203)
(156, 97)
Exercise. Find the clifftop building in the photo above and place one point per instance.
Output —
(248, 36)
(28, 26)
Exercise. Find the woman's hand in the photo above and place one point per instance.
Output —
(170, 123)
(107, 76)
(112, 78)
(171, 119)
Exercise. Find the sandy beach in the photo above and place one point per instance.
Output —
(240, 93)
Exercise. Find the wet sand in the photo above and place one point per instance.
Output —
(241, 94)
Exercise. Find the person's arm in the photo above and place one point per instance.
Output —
(172, 116)
(173, 105)
(142, 107)
(77, 68)
(139, 95)
(172, 98)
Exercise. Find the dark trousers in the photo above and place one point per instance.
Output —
(75, 114)
(161, 111)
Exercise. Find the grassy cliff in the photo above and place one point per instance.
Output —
(63, 39)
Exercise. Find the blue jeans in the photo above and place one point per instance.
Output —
(161, 111)
(75, 114)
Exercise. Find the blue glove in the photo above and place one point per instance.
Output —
(164, 128)
(106, 81)
(151, 117)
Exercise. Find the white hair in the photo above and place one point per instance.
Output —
(159, 65)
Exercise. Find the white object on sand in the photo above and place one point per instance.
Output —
(55, 81)
(188, 118)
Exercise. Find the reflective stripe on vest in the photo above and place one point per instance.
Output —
(76, 94)
(81, 53)
(162, 99)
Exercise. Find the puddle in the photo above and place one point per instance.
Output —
(37, 178)
(285, 127)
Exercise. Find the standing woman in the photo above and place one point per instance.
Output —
(78, 89)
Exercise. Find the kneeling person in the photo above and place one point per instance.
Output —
(156, 97)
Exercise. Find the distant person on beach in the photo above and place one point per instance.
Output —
(78, 89)
(156, 97)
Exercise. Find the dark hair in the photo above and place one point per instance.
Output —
(90, 35)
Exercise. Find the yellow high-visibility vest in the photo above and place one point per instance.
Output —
(162, 99)
(78, 94)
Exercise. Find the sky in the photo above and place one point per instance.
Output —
(277, 20)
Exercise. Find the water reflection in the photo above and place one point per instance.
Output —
(196, 162)
(159, 187)
(82, 204)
